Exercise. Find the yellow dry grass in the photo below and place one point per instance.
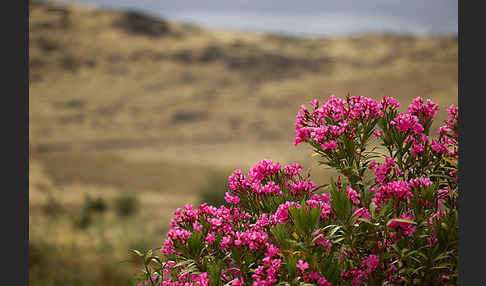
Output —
(198, 97)
(94, 86)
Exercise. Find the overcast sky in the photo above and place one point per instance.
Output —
(316, 17)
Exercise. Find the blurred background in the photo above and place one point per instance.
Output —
(139, 107)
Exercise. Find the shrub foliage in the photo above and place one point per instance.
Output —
(390, 218)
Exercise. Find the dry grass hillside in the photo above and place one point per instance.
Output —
(109, 81)
(123, 103)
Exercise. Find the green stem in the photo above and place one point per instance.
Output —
(148, 275)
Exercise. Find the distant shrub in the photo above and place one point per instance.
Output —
(126, 205)
(52, 207)
(96, 205)
(139, 23)
(213, 191)
(90, 207)
(83, 221)
(391, 221)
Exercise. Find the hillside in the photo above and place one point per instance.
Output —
(146, 89)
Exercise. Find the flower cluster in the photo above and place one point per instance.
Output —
(387, 221)
(407, 123)
(326, 124)
(268, 180)
(424, 111)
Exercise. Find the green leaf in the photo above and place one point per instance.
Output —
(138, 253)
(336, 228)
(372, 209)
(385, 208)
(400, 220)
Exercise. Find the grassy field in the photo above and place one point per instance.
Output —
(122, 104)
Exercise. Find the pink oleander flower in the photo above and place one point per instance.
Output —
(363, 108)
(372, 164)
(313, 276)
(357, 276)
(238, 282)
(168, 248)
(292, 169)
(363, 213)
(323, 202)
(334, 108)
(271, 188)
(420, 182)
(210, 238)
(226, 242)
(396, 189)
(272, 250)
(371, 263)
(203, 279)
(443, 130)
(197, 226)
(333, 119)
(302, 265)
(417, 148)
(263, 168)
(353, 195)
(438, 147)
(320, 133)
(237, 180)
(302, 187)
(390, 102)
(253, 239)
(215, 222)
(231, 199)
(378, 133)
(322, 197)
(390, 161)
(179, 234)
(281, 216)
(259, 270)
(321, 241)
(407, 123)
(330, 145)
(262, 222)
(406, 227)
(323, 282)
(381, 172)
(453, 115)
(418, 108)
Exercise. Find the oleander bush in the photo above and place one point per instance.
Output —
(390, 218)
